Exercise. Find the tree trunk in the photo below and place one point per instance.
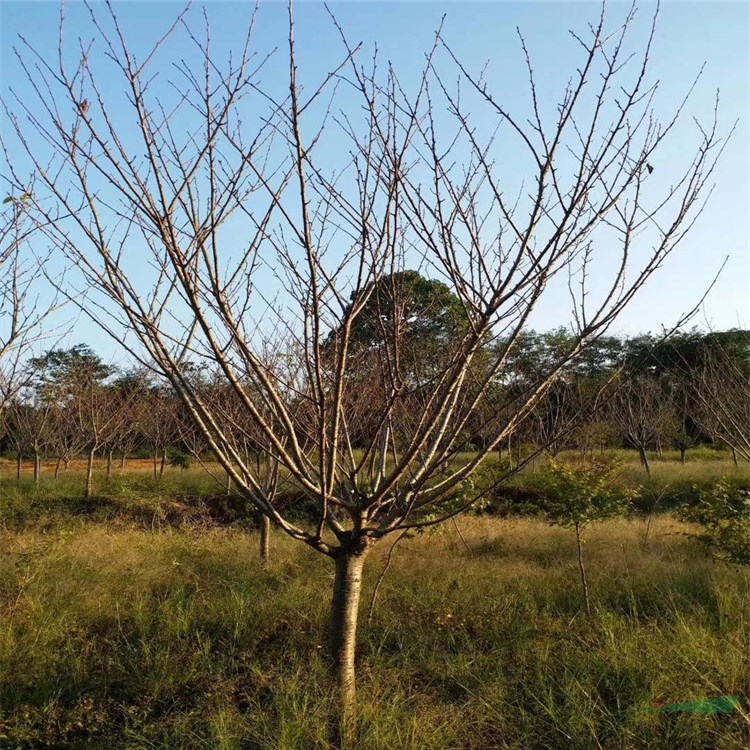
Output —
(156, 463)
(57, 467)
(734, 454)
(122, 461)
(89, 473)
(37, 468)
(229, 483)
(66, 464)
(109, 464)
(644, 459)
(163, 463)
(582, 568)
(347, 587)
(510, 453)
(19, 465)
(265, 535)
(682, 455)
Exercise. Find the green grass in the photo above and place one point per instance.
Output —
(126, 637)
(136, 619)
(134, 495)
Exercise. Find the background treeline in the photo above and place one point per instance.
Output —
(646, 393)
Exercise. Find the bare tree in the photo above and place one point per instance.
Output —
(75, 381)
(553, 415)
(21, 310)
(642, 413)
(100, 418)
(66, 441)
(29, 424)
(159, 424)
(134, 389)
(594, 428)
(126, 409)
(721, 389)
(228, 188)
(682, 402)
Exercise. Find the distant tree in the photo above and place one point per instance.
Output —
(159, 423)
(67, 440)
(681, 427)
(123, 432)
(76, 378)
(721, 389)
(417, 311)
(553, 417)
(593, 430)
(641, 412)
(29, 423)
(132, 391)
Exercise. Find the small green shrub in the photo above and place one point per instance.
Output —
(180, 460)
(579, 494)
(724, 513)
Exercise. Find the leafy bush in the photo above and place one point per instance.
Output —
(180, 460)
(724, 513)
(577, 494)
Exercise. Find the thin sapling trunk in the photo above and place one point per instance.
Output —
(582, 569)
(89, 473)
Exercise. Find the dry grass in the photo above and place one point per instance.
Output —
(127, 638)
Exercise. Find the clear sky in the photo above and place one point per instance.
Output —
(688, 34)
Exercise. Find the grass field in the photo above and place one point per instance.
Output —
(120, 630)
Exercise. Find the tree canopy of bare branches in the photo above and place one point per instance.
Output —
(20, 310)
(272, 219)
(721, 388)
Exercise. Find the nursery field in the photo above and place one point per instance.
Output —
(330, 415)
(141, 619)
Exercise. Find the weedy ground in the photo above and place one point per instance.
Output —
(117, 631)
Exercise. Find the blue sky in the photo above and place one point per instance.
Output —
(688, 34)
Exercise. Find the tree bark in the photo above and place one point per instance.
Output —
(109, 464)
(156, 461)
(122, 460)
(682, 455)
(265, 535)
(644, 459)
(57, 467)
(37, 468)
(163, 463)
(510, 453)
(582, 569)
(347, 587)
(19, 464)
(89, 473)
